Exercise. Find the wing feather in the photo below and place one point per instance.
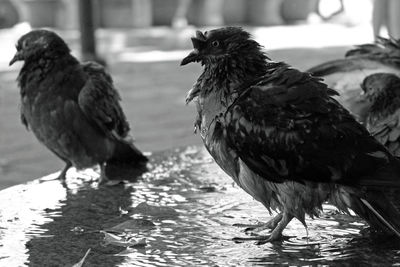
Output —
(386, 131)
(99, 101)
(296, 131)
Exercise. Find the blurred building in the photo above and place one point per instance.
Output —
(144, 13)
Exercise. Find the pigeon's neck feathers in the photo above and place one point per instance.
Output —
(229, 73)
(43, 67)
(50, 60)
(384, 105)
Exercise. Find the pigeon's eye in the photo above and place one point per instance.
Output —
(215, 43)
(21, 45)
(25, 44)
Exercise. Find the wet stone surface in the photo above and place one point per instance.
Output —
(179, 213)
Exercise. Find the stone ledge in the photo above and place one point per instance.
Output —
(180, 213)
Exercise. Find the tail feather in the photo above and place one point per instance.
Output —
(126, 163)
(388, 223)
(379, 210)
(126, 153)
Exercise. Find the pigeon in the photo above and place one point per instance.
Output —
(347, 74)
(382, 92)
(282, 137)
(73, 108)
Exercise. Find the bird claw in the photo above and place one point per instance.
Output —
(260, 239)
(103, 180)
(271, 224)
(111, 182)
(247, 226)
(63, 174)
(258, 228)
(61, 177)
(276, 224)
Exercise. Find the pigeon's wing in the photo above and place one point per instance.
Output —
(382, 54)
(387, 131)
(387, 50)
(351, 65)
(99, 101)
(287, 127)
(348, 73)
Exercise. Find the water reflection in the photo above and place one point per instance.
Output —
(184, 207)
(83, 214)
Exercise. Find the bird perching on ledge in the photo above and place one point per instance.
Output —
(284, 139)
(73, 108)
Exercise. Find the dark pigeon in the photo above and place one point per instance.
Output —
(73, 108)
(284, 139)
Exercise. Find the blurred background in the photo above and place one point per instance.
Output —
(142, 43)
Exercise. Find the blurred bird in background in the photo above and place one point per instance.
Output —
(347, 74)
(284, 139)
(73, 108)
(382, 93)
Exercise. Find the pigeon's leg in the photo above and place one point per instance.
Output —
(103, 177)
(276, 234)
(271, 224)
(63, 173)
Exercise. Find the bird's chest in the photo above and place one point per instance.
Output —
(210, 113)
(41, 103)
(44, 107)
(212, 132)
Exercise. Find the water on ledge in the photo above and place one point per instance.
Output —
(179, 213)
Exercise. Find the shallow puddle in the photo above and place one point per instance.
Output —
(179, 213)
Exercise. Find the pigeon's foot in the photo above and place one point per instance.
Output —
(260, 239)
(61, 177)
(277, 224)
(271, 224)
(103, 180)
(63, 174)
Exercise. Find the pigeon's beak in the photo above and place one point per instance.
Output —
(192, 57)
(18, 56)
(199, 42)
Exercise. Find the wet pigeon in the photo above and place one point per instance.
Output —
(284, 139)
(72, 108)
(346, 75)
(382, 91)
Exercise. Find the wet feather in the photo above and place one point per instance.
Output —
(283, 137)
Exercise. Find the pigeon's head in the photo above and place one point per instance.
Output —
(381, 85)
(39, 43)
(382, 93)
(218, 44)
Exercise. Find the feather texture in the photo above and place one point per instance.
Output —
(72, 108)
(284, 139)
(347, 74)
